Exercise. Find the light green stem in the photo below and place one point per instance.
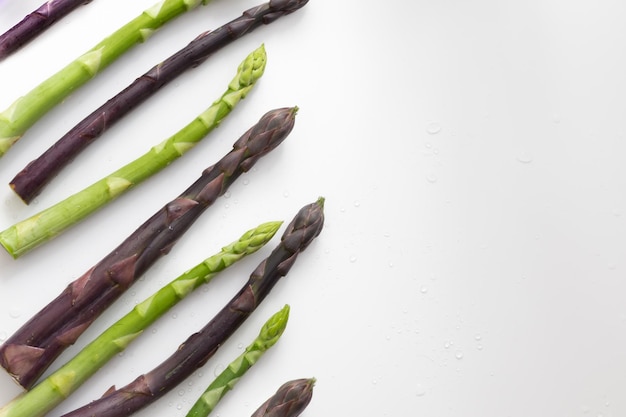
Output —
(59, 385)
(225, 381)
(28, 109)
(43, 226)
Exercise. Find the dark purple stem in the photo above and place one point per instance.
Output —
(35, 23)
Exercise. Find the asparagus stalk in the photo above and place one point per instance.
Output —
(289, 401)
(200, 346)
(45, 225)
(28, 109)
(226, 380)
(35, 23)
(29, 182)
(50, 392)
(33, 347)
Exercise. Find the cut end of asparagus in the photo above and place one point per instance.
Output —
(6, 143)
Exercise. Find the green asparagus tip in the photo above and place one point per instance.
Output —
(321, 201)
(273, 328)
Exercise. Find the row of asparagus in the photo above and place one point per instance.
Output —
(192, 353)
(33, 348)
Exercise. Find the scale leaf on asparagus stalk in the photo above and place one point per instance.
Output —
(199, 347)
(24, 236)
(56, 387)
(228, 378)
(28, 109)
(33, 347)
(290, 399)
(29, 182)
(35, 23)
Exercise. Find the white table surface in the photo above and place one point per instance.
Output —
(473, 160)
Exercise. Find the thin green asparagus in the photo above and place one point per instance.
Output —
(289, 401)
(226, 380)
(28, 352)
(45, 225)
(62, 383)
(199, 347)
(28, 109)
(35, 23)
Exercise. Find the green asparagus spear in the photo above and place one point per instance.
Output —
(226, 380)
(62, 383)
(199, 347)
(28, 109)
(35, 23)
(45, 225)
(34, 346)
(289, 401)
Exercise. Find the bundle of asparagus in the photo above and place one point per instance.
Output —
(29, 182)
(59, 385)
(199, 347)
(35, 23)
(28, 109)
(33, 347)
(35, 230)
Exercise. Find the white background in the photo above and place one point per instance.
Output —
(472, 157)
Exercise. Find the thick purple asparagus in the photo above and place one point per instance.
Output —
(35, 23)
(29, 182)
(200, 346)
(30, 350)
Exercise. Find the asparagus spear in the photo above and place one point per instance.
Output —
(43, 226)
(289, 401)
(35, 23)
(50, 392)
(28, 109)
(226, 380)
(33, 347)
(200, 346)
(29, 182)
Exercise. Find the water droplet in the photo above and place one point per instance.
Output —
(433, 128)
(246, 182)
(3, 336)
(240, 346)
(154, 331)
(219, 368)
(556, 119)
(174, 316)
(420, 391)
(424, 290)
(353, 259)
(524, 158)
(181, 392)
(459, 355)
(14, 314)
(477, 337)
(227, 194)
(431, 178)
(357, 203)
(447, 345)
(286, 194)
(179, 406)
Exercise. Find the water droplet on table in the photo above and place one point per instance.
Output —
(433, 128)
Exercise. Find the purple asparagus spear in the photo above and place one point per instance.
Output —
(35, 23)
